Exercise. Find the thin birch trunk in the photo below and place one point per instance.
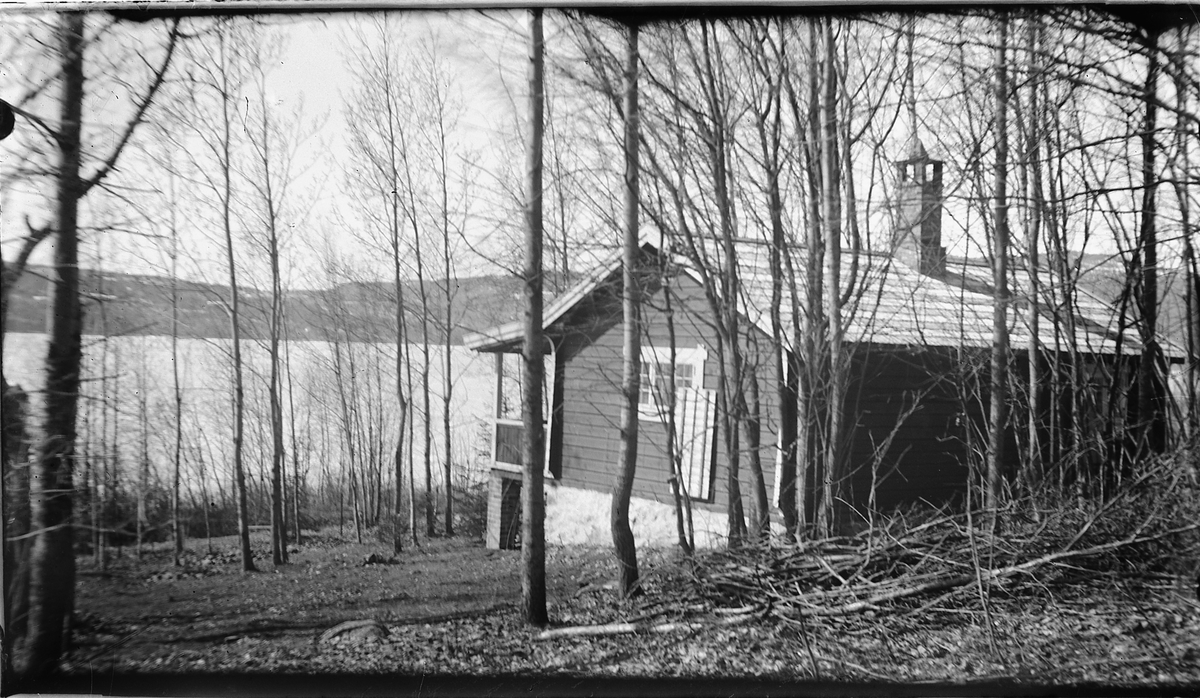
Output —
(176, 385)
(624, 546)
(832, 215)
(226, 194)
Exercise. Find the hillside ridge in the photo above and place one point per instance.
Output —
(121, 304)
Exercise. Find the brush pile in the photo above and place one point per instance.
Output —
(1149, 526)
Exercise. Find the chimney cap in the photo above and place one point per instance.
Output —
(915, 152)
(916, 149)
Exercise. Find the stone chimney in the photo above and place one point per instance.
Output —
(918, 235)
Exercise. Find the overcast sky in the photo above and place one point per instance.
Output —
(485, 51)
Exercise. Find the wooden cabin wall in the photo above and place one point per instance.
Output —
(926, 460)
(930, 454)
(591, 407)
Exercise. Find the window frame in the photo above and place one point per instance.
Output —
(652, 358)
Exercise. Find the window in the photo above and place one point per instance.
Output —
(654, 396)
(695, 410)
(656, 383)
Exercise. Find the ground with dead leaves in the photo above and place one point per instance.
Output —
(450, 608)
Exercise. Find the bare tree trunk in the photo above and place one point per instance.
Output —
(268, 190)
(14, 484)
(401, 344)
(679, 493)
(113, 466)
(278, 520)
(768, 125)
(999, 367)
(403, 418)
(447, 378)
(732, 406)
(412, 466)
(14, 549)
(1152, 428)
(177, 388)
(239, 398)
(426, 423)
(14, 417)
(832, 215)
(206, 502)
(356, 505)
(1033, 165)
(631, 298)
(1190, 271)
(143, 480)
(91, 485)
(103, 487)
(533, 511)
(347, 397)
(51, 559)
(291, 391)
(812, 387)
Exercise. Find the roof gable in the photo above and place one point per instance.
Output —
(509, 336)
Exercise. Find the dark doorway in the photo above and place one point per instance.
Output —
(510, 514)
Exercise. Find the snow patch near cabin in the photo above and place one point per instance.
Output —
(580, 517)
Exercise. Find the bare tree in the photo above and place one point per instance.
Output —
(684, 524)
(631, 300)
(766, 48)
(533, 512)
(143, 476)
(1180, 165)
(274, 142)
(176, 387)
(831, 211)
(1151, 384)
(998, 419)
(52, 563)
(439, 111)
(1032, 188)
(377, 140)
(224, 83)
(297, 476)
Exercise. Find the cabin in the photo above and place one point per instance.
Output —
(917, 340)
(584, 345)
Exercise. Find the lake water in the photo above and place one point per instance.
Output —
(133, 374)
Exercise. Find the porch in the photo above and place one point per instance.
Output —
(508, 448)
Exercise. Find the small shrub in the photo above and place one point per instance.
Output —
(470, 509)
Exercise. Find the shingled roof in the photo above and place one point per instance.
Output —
(892, 305)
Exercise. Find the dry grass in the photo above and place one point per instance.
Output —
(1117, 611)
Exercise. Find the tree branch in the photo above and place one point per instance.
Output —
(640, 628)
(139, 114)
(11, 273)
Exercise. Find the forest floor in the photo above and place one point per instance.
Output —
(451, 608)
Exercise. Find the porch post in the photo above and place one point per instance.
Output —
(499, 386)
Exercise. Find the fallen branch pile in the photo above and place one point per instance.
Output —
(900, 565)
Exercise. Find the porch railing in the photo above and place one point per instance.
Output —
(508, 444)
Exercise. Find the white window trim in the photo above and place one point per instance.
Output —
(694, 357)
